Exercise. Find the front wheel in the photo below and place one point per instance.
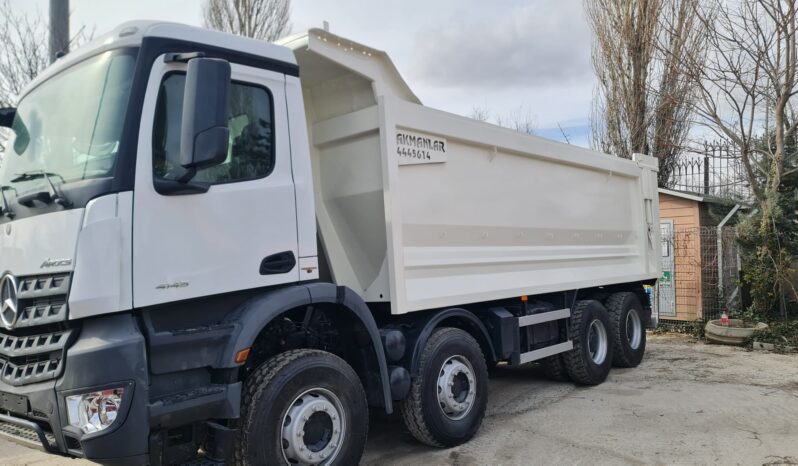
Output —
(302, 407)
(447, 400)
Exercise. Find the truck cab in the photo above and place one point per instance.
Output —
(91, 180)
(197, 251)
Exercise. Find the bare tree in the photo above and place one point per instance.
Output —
(480, 113)
(565, 136)
(643, 99)
(748, 83)
(24, 53)
(519, 119)
(747, 94)
(682, 37)
(260, 19)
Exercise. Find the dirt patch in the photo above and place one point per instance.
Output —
(687, 403)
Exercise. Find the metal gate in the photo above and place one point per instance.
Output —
(700, 270)
(666, 286)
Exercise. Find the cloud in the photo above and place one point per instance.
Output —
(532, 44)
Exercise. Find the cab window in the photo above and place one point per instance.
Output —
(250, 152)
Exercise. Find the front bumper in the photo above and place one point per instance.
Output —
(110, 351)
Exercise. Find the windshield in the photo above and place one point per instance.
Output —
(69, 126)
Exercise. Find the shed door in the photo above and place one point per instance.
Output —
(666, 285)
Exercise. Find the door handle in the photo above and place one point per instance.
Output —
(282, 262)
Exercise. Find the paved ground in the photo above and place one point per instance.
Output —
(687, 403)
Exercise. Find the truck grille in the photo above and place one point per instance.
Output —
(42, 299)
(34, 350)
(33, 358)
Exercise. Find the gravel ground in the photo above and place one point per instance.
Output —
(687, 403)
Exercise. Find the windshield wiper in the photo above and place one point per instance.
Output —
(6, 210)
(52, 196)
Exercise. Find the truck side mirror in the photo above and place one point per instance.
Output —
(7, 117)
(204, 135)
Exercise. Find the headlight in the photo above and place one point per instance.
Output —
(95, 411)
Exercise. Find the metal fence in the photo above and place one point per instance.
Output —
(701, 268)
(713, 169)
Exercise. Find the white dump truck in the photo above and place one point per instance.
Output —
(217, 249)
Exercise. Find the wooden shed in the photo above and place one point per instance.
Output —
(692, 277)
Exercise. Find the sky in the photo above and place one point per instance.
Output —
(509, 57)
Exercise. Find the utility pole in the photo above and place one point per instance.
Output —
(59, 28)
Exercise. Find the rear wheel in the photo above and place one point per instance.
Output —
(627, 332)
(302, 407)
(590, 361)
(447, 400)
(554, 368)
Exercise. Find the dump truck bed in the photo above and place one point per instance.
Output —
(426, 209)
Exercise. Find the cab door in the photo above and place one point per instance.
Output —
(239, 234)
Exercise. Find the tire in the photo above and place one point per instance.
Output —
(554, 368)
(450, 354)
(314, 386)
(627, 329)
(600, 296)
(590, 360)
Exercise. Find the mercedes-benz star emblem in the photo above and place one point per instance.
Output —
(8, 301)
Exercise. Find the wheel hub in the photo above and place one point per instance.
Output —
(456, 387)
(313, 428)
(597, 341)
(634, 329)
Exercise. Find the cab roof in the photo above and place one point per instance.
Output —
(132, 33)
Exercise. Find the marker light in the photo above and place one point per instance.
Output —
(241, 356)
